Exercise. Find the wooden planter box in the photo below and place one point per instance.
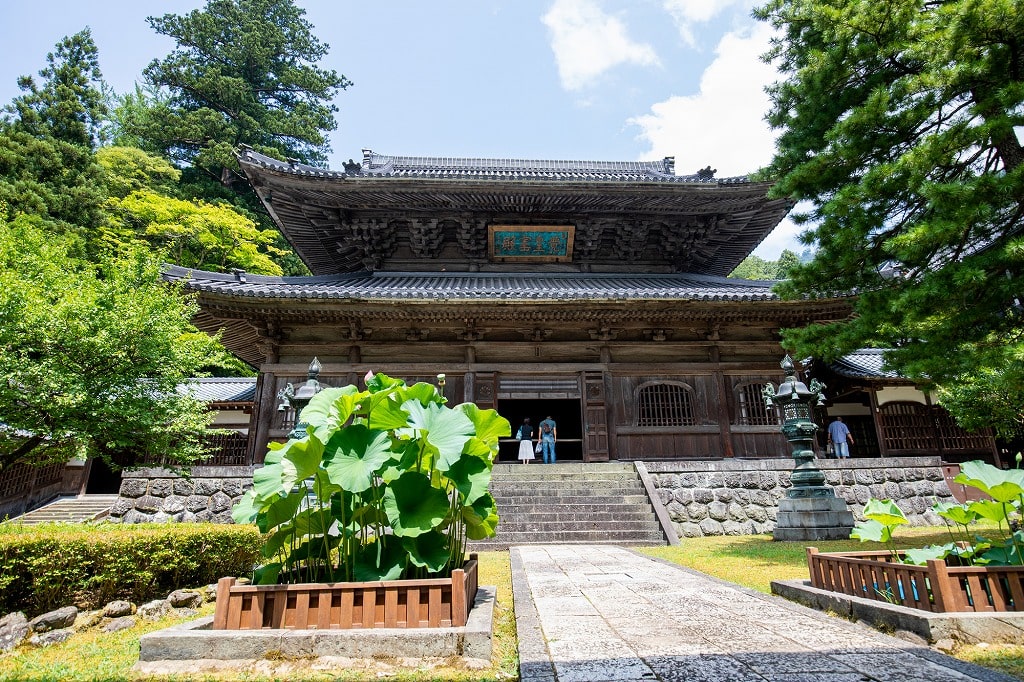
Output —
(441, 602)
(936, 587)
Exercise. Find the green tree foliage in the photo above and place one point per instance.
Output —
(755, 267)
(46, 141)
(193, 234)
(91, 354)
(993, 395)
(896, 124)
(244, 72)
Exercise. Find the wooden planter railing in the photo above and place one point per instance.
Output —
(437, 602)
(936, 587)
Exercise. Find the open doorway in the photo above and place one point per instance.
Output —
(567, 414)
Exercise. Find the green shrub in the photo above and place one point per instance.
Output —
(49, 566)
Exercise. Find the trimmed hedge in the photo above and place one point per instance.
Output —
(53, 565)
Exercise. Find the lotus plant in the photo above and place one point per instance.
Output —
(386, 483)
(1005, 490)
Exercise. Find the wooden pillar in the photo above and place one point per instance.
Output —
(724, 393)
(264, 402)
(876, 417)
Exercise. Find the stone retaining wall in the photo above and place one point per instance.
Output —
(741, 496)
(207, 493)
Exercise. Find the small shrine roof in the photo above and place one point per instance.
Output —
(866, 363)
(221, 389)
(476, 286)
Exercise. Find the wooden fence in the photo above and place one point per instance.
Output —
(439, 602)
(936, 587)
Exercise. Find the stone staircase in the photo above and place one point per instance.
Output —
(571, 503)
(68, 510)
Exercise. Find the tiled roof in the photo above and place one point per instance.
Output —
(866, 363)
(461, 286)
(221, 390)
(376, 165)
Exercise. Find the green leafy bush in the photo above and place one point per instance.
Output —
(387, 483)
(49, 566)
(1004, 508)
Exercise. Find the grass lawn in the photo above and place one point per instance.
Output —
(755, 560)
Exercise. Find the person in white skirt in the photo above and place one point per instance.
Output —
(525, 437)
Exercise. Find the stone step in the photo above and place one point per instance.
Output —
(69, 510)
(551, 528)
(612, 511)
(544, 473)
(555, 487)
(589, 500)
(596, 537)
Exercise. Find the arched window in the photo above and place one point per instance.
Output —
(665, 404)
(750, 407)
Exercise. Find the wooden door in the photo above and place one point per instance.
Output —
(595, 418)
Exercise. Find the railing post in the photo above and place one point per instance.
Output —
(220, 613)
(938, 576)
(459, 611)
(814, 567)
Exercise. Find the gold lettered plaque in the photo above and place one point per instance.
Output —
(530, 243)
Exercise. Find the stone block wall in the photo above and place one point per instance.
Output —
(207, 493)
(741, 496)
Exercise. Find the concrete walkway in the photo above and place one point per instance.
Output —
(595, 613)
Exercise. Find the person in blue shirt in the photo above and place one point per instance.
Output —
(840, 438)
(548, 436)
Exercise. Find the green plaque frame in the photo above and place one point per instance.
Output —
(530, 243)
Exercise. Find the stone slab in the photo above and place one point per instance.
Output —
(195, 642)
(969, 628)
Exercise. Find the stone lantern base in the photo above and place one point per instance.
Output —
(822, 517)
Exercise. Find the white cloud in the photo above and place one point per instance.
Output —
(723, 124)
(587, 42)
(686, 13)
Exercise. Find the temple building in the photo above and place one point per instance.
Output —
(591, 292)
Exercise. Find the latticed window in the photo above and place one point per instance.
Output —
(750, 407)
(665, 405)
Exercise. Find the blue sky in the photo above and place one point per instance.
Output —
(552, 79)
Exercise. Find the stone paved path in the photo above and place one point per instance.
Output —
(595, 613)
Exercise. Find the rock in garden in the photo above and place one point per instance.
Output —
(88, 619)
(209, 593)
(119, 608)
(120, 624)
(155, 610)
(13, 630)
(51, 637)
(185, 599)
(54, 620)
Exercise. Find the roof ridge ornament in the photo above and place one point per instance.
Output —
(706, 174)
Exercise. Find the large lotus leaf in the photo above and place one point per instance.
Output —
(353, 456)
(426, 393)
(429, 550)
(315, 521)
(382, 382)
(1003, 485)
(280, 510)
(885, 512)
(376, 562)
(1008, 554)
(481, 518)
(329, 409)
(246, 509)
(267, 574)
(871, 531)
(920, 557)
(274, 453)
(471, 477)
(445, 429)
(475, 447)
(489, 425)
(385, 412)
(414, 506)
(282, 535)
(368, 515)
(403, 459)
(957, 513)
(989, 509)
(300, 459)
